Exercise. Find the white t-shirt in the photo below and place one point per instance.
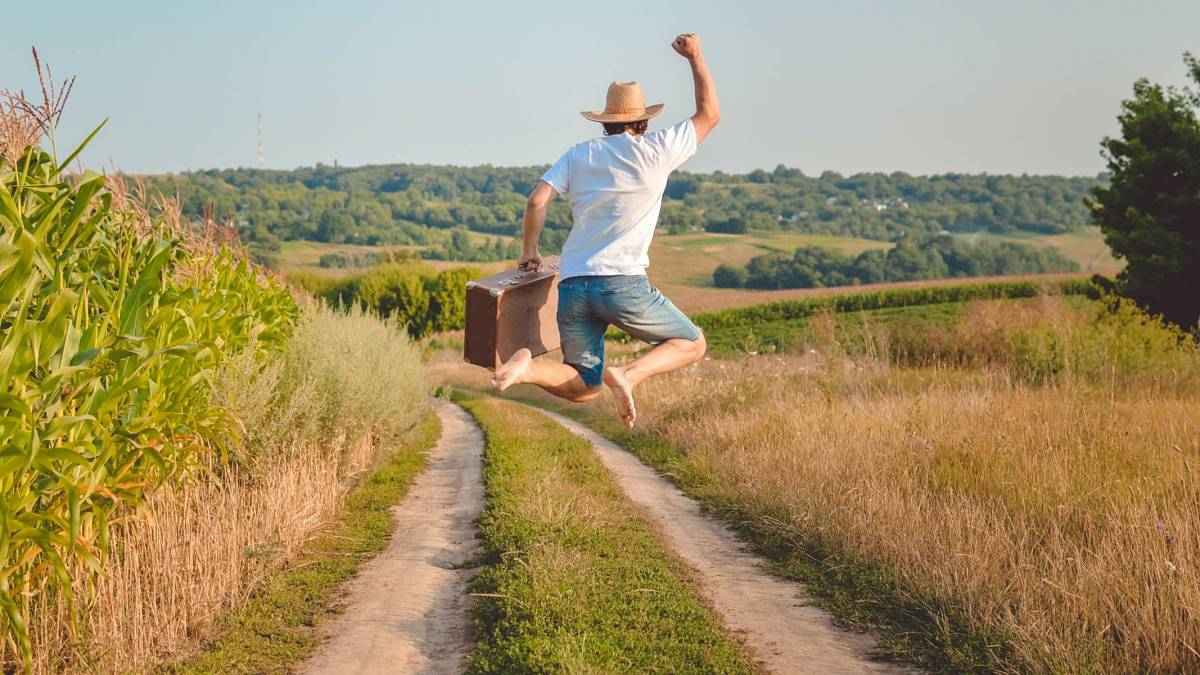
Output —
(615, 187)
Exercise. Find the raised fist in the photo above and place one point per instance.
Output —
(687, 44)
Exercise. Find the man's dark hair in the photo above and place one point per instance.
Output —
(638, 128)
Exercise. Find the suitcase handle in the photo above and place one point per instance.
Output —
(522, 271)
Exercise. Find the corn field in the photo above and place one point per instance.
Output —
(112, 322)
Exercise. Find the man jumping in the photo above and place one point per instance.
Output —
(615, 187)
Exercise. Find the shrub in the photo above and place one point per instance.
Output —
(410, 293)
(728, 276)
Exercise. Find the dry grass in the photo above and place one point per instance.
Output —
(1064, 518)
(346, 387)
(194, 553)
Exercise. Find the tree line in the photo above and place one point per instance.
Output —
(911, 259)
(409, 204)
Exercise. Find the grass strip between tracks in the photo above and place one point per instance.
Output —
(575, 578)
(860, 596)
(274, 630)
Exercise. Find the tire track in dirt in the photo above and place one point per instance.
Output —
(408, 609)
(774, 617)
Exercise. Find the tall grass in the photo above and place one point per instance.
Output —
(346, 385)
(1049, 338)
(1056, 515)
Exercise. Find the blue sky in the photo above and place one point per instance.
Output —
(919, 86)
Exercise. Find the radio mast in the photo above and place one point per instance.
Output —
(262, 162)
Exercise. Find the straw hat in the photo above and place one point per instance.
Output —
(625, 103)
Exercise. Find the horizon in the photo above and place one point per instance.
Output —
(1102, 174)
(926, 89)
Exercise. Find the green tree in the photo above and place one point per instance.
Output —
(448, 299)
(398, 291)
(1150, 211)
(728, 276)
(733, 225)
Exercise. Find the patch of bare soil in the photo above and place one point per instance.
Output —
(408, 610)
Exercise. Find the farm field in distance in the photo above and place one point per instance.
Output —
(305, 256)
(1085, 246)
(682, 264)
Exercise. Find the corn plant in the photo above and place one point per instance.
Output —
(111, 326)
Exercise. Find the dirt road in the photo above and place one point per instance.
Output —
(782, 628)
(408, 609)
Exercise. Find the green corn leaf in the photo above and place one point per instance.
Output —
(71, 157)
(73, 498)
(9, 212)
(84, 357)
(61, 425)
(15, 405)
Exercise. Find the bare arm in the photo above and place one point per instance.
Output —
(708, 107)
(535, 218)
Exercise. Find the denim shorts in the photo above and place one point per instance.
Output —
(588, 305)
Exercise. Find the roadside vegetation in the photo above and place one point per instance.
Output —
(175, 424)
(346, 391)
(1014, 489)
(277, 627)
(575, 580)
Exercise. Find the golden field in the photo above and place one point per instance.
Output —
(1031, 475)
(1062, 518)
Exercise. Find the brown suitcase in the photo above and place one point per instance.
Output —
(510, 310)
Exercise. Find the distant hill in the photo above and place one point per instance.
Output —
(422, 204)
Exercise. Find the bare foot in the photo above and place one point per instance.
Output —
(513, 371)
(623, 393)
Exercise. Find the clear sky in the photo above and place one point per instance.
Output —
(921, 86)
